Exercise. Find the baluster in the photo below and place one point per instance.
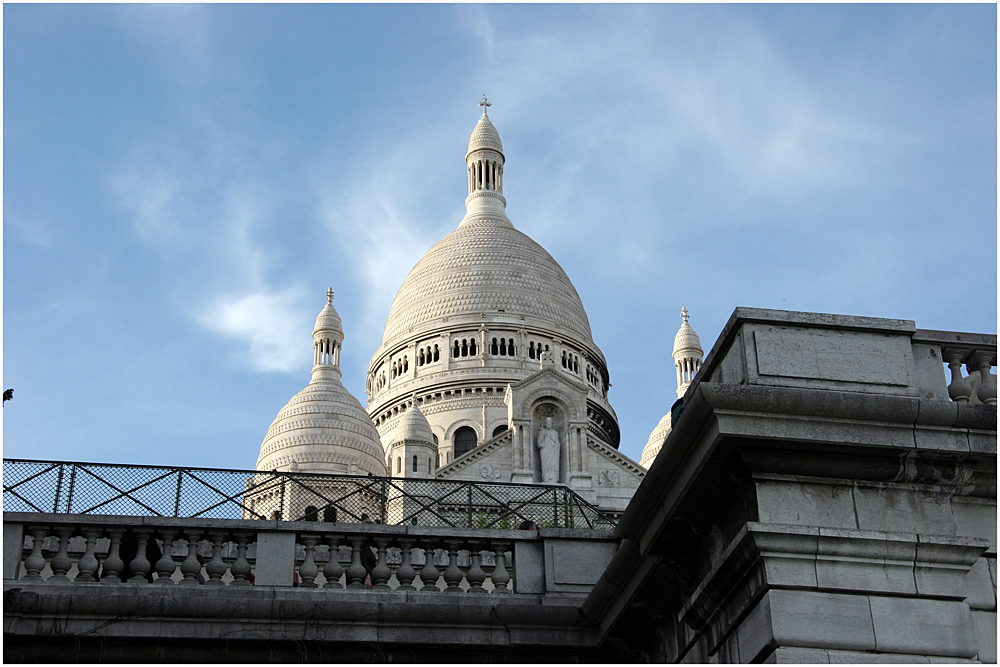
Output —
(381, 572)
(500, 577)
(165, 566)
(356, 572)
(987, 392)
(333, 569)
(959, 390)
(113, 564)
(140, 565)
(429, 574)
(61, 562)
(87, 565)
(191, 566)
(240, 568)
(308, 569)
(216, 567)
(35, 562)
(405, 572)
(453, 574)
(475, 576)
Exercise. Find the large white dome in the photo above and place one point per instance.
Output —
(486, 266)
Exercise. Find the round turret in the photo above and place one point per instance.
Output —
(323, 428)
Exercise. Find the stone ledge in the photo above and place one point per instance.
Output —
(274, 613)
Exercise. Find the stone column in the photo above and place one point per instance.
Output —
(522, 473)
(580, 477)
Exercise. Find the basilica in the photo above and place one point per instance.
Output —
(487, 369)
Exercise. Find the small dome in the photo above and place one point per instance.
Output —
(485, 136)
(323, 428)
(655, 441)
(413, 425)
(328, 320)
(686, 339)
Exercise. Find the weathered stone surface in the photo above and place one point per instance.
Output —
(975, 517)
(796, 656)
(857, 658)
(274, 566)
(575, 566)
(985, 623)
(805, 504)
(840, 356)
(907, 510)
(930, 627)
(821, 620)
(529, 569)
(13, 538)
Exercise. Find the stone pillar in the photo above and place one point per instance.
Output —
(522, 473)
(580, 477)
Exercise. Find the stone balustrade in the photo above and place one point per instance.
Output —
(976, 352)
(88, 549)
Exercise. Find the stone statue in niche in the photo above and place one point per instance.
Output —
(548, 452)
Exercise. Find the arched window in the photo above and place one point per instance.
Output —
(435, 439)
(465, 440)
(510, 347)
(330, 514)
(420, 359)
(472, 347)
(312, 514)
(503, 346)
(436, 353)
(414, 463)
(564, 359)
(465, 348)
(399, 464)
(493, 347)
(406, 364)
(454, 351)
(499, 429)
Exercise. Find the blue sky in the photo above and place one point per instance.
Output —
(183, 182)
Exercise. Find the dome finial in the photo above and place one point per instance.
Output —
(483, 103)
(329, 295)
(684, 314)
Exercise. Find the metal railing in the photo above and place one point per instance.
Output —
(141, 490)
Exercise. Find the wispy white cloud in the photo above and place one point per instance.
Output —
(271, 327)
(203, 208)
(30, 229)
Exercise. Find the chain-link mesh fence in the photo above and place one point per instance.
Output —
(135, 490)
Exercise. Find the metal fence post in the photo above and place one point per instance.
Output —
(177, 502)
(469, 525)
(69, 495)
(55, 503)
(384, 505)
(281, 498)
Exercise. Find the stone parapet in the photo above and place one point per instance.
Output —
(824, 495)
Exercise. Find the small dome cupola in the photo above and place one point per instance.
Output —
(328, 336)
(323, 428)
(413, 452)
(687, 354)
(484, 164)
(413, 425)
